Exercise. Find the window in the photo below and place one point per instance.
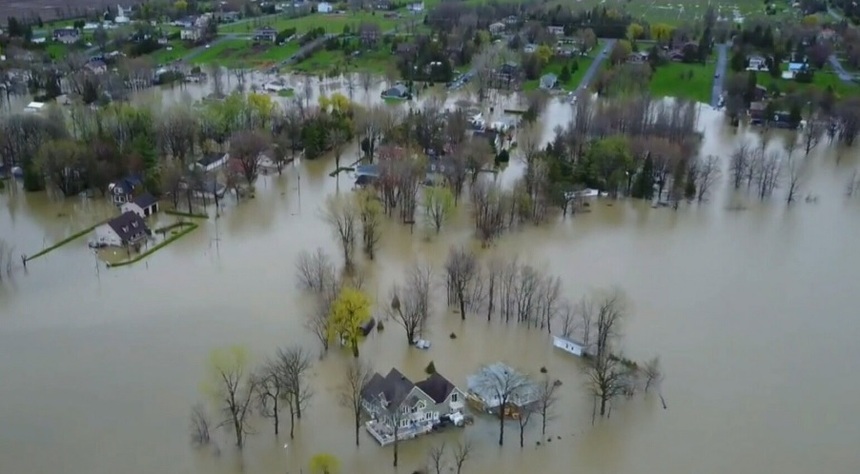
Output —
(454, 397)
(404, 423)
(428, 416)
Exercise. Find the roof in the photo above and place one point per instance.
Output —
(96, 64)
(394, 387)
(436, 387)
(549, 79)
(127, 225)
(266, 31)
(126, 185)
(210, 159)
(145, 200)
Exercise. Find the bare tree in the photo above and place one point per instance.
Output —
(270, 389)
(796, 171)
(358, 374)
(523, 419)
(707, 172)
(370, 212)
(462, 451)
(438, 205)
(653, 373)
(350, 85)
(341, 215)
(611, 311)
(319, 321)
(584, 317)
(504, 386)
(308, 90)
(768, 172)
(316, 272)
(605, 382)
(410, 302)
(436, 458)
(567, 317)
(199, 426)
(546, 400)
(233, 388)
(365, 78)
(812, 134)
(5, 258)
(293, 364)
(336, 138)
(463, 272)
(739, 163)
(246, 148)
(488, 209)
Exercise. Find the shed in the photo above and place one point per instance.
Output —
(34, 107)
(548, 81)
(212, 162)
(324, 7)
(569, 345)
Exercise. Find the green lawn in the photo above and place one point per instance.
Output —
(685, 81)
(333, 23)
(163, 56)
(243, 52)
(555, 66)
(820, 81)
(223, 51)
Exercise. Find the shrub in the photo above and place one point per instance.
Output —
(431, 368)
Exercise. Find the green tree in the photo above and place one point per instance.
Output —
(564, 77)
(349, 312)
(606, 163)
(643, 187)
(739, 61)
(438, 205)
(324, 463)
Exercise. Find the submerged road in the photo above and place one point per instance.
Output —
(595, 65)
(719, 74)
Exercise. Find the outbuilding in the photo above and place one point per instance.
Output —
(569, 345)
(144, 205)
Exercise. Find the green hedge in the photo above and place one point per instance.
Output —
(172, 212)
(166, 242)
(68, 239)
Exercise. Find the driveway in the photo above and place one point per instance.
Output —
(595, 65)
(844, 75)
(719, 74)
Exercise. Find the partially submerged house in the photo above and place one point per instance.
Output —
(123, 190)
(399, 92)
(569, 345)
(486, 390)
(212, 161)
(144, 205)
(126, 229)
(397, 405)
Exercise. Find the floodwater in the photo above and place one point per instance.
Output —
(752, 311)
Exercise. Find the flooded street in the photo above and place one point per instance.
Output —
(753, 313)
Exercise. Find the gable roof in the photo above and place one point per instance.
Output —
(126, 185)
(145, 200)
(128, 225)
(211, 158)
(394, 387)
(436, 387)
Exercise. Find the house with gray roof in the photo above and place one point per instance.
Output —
(399, 91)
(126, 229)
(144, 205)
(399, 407)
(548, 81)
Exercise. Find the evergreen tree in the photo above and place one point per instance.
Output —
(643, 187)
(739, 61)
(565, 75)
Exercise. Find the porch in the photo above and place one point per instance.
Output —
(384, 434)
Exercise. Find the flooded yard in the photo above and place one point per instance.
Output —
(753, 313)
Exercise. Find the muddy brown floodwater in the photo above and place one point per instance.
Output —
(753, 312)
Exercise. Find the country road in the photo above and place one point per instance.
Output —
(595, 65)
(719, 74)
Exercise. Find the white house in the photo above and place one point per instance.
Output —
(569, 345)
(121, 16)
(324, 7)
(127, 229)
(212, 162)
(35, 107)
(756, 63)
(497, 28)
(417, 7)
(190, 34)
(144, 205)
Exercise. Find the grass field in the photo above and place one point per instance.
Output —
(821, 81)
(555, 66)
(163, 56)
(377, 61)
(243, 52)
(333, 23)
(685, 81)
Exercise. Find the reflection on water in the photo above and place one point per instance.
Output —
(752, 312)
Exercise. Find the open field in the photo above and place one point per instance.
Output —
(235, 52)
(821, 81)
(163, 56)
(333, 23)
(685, 81)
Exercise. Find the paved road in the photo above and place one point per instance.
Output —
(844, 75)
(595, 65)
(719, 74)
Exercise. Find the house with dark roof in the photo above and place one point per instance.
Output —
(212, 162)
(144, 205)
(403, 409)
(399, 92)
(127, 229)
(123, 190)
(267, 35)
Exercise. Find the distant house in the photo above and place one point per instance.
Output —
(67, 35)
(144, 205)
(756, 63)
(794, 69)
(268, 35)
(127, 229)
(123, 190)
(530, 48)
(406, 49)
(382, 4)
(212, 161)
(276, 86)
(399, 92)
(416, 7)
(369, 33)
(555, 30)
(413, 408)
(759, 93)
(548, 81)
(324, 7)
(191, 33)
(484, 394)
(638, 57)
(508, 74)
(34, 107)
(228, 17)
(511, 20)
(121, 17)
(569, 345)
(757, 113)
(96, 67)
(497, 28)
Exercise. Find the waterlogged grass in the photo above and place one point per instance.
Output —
(178, 51)
(192, 215)
(820, 82)
(684, 81)
(75, 236)
(223, 52)
(189, 227)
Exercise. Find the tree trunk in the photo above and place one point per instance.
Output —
(461, 298)
(602, 406)
(354, 344)
(357, 425)
(543, 422)
(502, 424)
(522, 430)
(292, 423)
(238, 427)
(275, 413)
